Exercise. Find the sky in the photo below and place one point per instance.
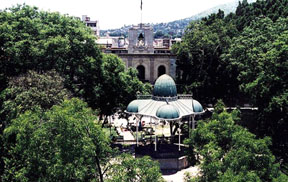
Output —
(117, 13)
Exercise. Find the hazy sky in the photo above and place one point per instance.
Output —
(116, 13)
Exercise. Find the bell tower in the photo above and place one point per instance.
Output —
(142, 53)
(140, 39)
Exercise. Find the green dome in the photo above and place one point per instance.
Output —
(133, 107)
(197, 107)
(167, 112)
(165, 87)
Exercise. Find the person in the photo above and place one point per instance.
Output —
(121, 127)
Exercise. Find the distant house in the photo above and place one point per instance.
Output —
(94, 24)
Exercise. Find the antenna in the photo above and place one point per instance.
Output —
(141, 12)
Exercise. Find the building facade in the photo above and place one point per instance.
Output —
(152, 58)
(93, 24)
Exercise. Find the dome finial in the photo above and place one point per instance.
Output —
(165, 87)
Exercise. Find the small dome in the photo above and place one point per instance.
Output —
(133, 107)
(167, 112)
(197, 107)
(165, 87)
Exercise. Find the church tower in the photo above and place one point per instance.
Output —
(144, 53)
(140, 39)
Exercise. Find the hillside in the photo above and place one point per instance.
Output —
(176, 28)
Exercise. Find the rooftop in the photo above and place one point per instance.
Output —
(165, 104)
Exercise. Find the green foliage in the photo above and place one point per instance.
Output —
(231, 153)
(37, 40)
(158, 34)
(41, 41)
(246, 13)
(130, 169)
(202, 67)
(241, 58)
(62, 144)
(219, 107)
(29, 92)
(189, 178)
(119, 86)
(32, 90)
(259, 56)
(199, 67)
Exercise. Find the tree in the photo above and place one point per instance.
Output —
(259, 57)
(130, 169)
(119, 86)
(158, 34)
(31, 90)
(61, 144)
(37, 40)
(28, 92)
(199, 66)
(242, 56)
(230, 152)
(247, 13)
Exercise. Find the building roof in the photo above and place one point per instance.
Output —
(149, 107)
(133, 107)
(167, 111)
(104, 41)
(165, 104)
(165, 87)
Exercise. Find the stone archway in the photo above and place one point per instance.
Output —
(141, 72)
(161, 70)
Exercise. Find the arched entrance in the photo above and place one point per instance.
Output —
(161, 70)
(141, 72)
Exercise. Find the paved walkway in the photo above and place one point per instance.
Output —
(127, 135)
(122, 123)
(179, 176)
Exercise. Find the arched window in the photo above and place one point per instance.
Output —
(161, 70)
(141, 72)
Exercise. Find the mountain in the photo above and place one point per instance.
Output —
(176, 28)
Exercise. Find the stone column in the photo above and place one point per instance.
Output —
(193, 122)
(137, 124)
(172, 67)
(152, 79)
(179, 130)
(129, 61)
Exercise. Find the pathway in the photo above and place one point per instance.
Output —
(127, 135)
(179, 176)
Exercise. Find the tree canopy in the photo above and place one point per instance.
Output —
(32, 43)
(229, 152)
(241, 58)
(32, 90)
(259, 54)
(63, 143)
(199, 67)
(37, 40)
(130, 169)
(29, 91)
(119, 86)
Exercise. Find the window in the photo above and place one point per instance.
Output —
(161, 70)
(91, 24)
(141, 72)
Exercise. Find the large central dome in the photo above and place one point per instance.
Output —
(165, 87)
